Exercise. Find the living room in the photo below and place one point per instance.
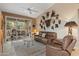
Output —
(40, 29)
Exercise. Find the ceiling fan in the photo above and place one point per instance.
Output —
(31, 10)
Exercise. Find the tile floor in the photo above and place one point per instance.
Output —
(17, 48)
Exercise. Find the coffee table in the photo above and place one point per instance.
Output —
(28, 41)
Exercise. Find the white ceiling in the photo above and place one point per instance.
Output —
(21, 8)
(66, 11)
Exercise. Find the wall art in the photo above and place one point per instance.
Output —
(43, 17)
(47, 22)
(53, 13)
(33, 26)
(49, 19)
(59, 21)
(41, 21)
(56, 25)
(47, 14)
(52, 27)
(53, 21)
(57, 16)
(44, 28)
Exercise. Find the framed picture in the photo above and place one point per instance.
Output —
(47, 14)
(53, 21)
(57, 16)
(52, 27)
(53, 13)
(56, 25)
(33, 26)
(59, 21)
(47, 23)
(44, 28)
(41, 21)
(43, 17)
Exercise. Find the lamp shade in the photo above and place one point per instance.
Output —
(71, 24)
(34, 30)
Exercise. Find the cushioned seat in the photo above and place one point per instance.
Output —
(65, 48)
(46, 37)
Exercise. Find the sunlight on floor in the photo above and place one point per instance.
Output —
(19, 49)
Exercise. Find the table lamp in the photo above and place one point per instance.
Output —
(35, 31)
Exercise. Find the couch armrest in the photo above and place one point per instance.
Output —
(57, 41)
(71, 46)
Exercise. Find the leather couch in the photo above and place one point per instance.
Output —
(64, 49)
(45, 37)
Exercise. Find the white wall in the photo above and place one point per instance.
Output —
(67, 12)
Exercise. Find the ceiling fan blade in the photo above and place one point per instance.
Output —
(32, 10)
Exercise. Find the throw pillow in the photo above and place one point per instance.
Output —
(43, 34)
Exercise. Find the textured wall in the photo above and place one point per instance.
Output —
(67, 12)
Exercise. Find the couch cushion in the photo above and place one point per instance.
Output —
(51, 35)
